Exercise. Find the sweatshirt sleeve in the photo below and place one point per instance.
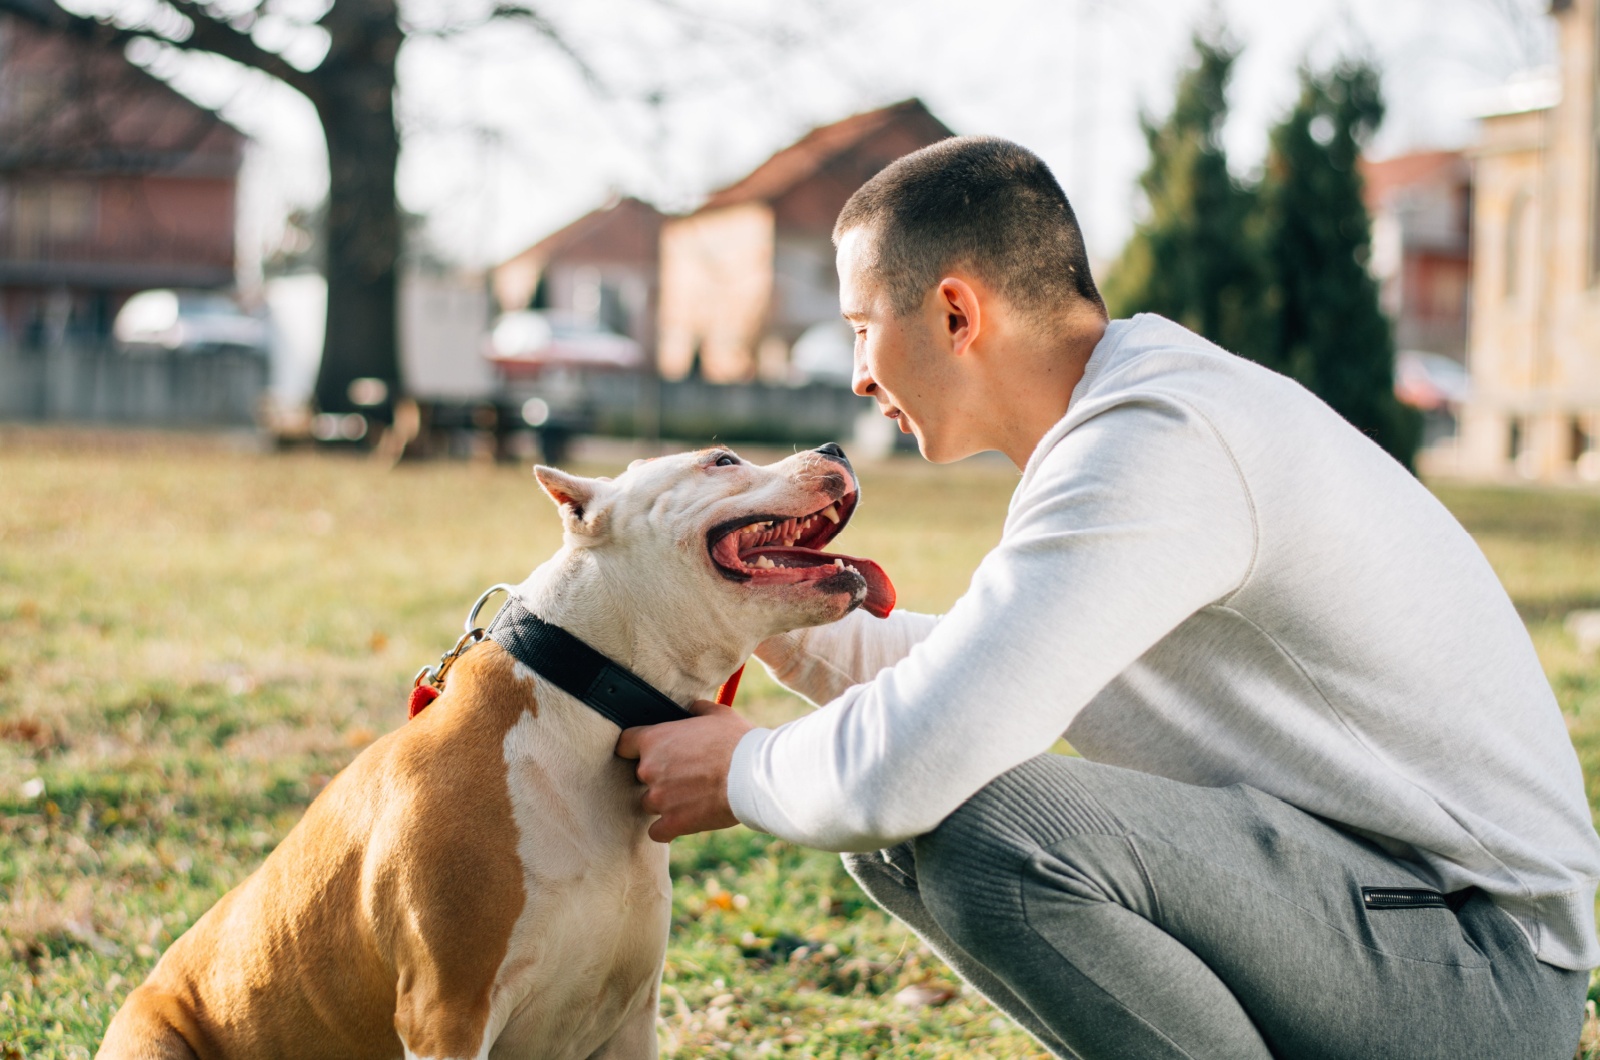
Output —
(822, 661)
(1134, 520)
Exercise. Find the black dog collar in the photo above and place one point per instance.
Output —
(611, 690)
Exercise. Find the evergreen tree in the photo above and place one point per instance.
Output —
(1193, 259)
(1327, 330)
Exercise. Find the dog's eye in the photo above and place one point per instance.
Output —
(726, 460)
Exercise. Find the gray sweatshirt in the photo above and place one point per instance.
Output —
(1207, 575)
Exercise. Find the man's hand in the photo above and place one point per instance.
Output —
(684, 768)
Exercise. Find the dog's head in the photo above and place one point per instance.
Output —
(713, 538)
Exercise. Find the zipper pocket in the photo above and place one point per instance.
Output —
(1402, 898)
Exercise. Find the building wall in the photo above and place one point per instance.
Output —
(806, 284)
(1534, 346)
(1573, 285)
(716, 291)
(62, 227)
(1420, 225)
(110, 182)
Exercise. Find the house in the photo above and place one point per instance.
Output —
(604, 267)
(747, 273)
(1534, 345)
(724, 292)
(1421, 207)
(110, 182)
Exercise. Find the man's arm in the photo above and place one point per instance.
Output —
(823, 661)
(1136, 519)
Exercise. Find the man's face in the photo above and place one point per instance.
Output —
(898, 359)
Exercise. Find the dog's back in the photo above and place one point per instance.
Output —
(388, 911)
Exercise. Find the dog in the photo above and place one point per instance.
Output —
(479, 882)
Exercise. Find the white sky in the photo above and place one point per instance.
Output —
(505, 140)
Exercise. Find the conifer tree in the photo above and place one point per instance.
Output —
(1327, 329)
(1193, 259)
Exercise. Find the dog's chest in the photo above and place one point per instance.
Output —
(589, 942)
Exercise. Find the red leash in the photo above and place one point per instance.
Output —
(421, 696)
(730, 688)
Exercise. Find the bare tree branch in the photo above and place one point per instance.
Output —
(210, 34)
(218, 36)
(540, 23)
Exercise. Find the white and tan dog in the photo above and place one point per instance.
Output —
(479, 883)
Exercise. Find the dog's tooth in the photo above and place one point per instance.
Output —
(839, 564)
(762, 563)
(831, 513)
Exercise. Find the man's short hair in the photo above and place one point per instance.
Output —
(977, 202)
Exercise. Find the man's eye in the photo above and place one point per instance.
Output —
(726, 460)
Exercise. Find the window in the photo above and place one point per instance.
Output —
(45, 214)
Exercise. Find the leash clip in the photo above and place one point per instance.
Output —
(434, 675)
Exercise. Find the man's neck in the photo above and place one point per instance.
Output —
(1035, 394)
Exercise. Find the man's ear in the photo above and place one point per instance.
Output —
(963, 316)
(576, 496)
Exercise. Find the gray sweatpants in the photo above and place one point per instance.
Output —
(1117, 914)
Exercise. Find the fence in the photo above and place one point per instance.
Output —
(625, 404)
(98, 384)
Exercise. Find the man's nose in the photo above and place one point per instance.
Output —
(860, 382)
(833, 452)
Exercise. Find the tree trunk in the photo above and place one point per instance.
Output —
(355, 101)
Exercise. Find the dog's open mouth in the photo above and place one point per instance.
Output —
(787, 550)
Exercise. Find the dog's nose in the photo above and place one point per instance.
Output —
(832, 449)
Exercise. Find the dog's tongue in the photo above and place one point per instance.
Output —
(880, 591)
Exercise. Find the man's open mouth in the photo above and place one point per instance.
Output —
(787, 550)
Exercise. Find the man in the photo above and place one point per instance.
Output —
(1327, 806)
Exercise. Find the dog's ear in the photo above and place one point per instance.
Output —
(576, 497)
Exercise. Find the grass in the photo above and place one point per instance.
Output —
(196, 639)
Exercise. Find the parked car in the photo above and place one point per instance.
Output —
(530, 341)
(1430, 381)
(545, 361)
(188, 322)
(1435, 385)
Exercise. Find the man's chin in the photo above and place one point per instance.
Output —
(936, 449)
(925, 445)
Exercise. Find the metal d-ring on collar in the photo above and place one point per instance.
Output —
(472, 616)
(606, 687)
(434, 674)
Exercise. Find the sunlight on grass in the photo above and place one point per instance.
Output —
(196, 640)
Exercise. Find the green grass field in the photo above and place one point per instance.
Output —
(195, 640)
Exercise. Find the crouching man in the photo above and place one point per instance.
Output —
(1327, 806)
